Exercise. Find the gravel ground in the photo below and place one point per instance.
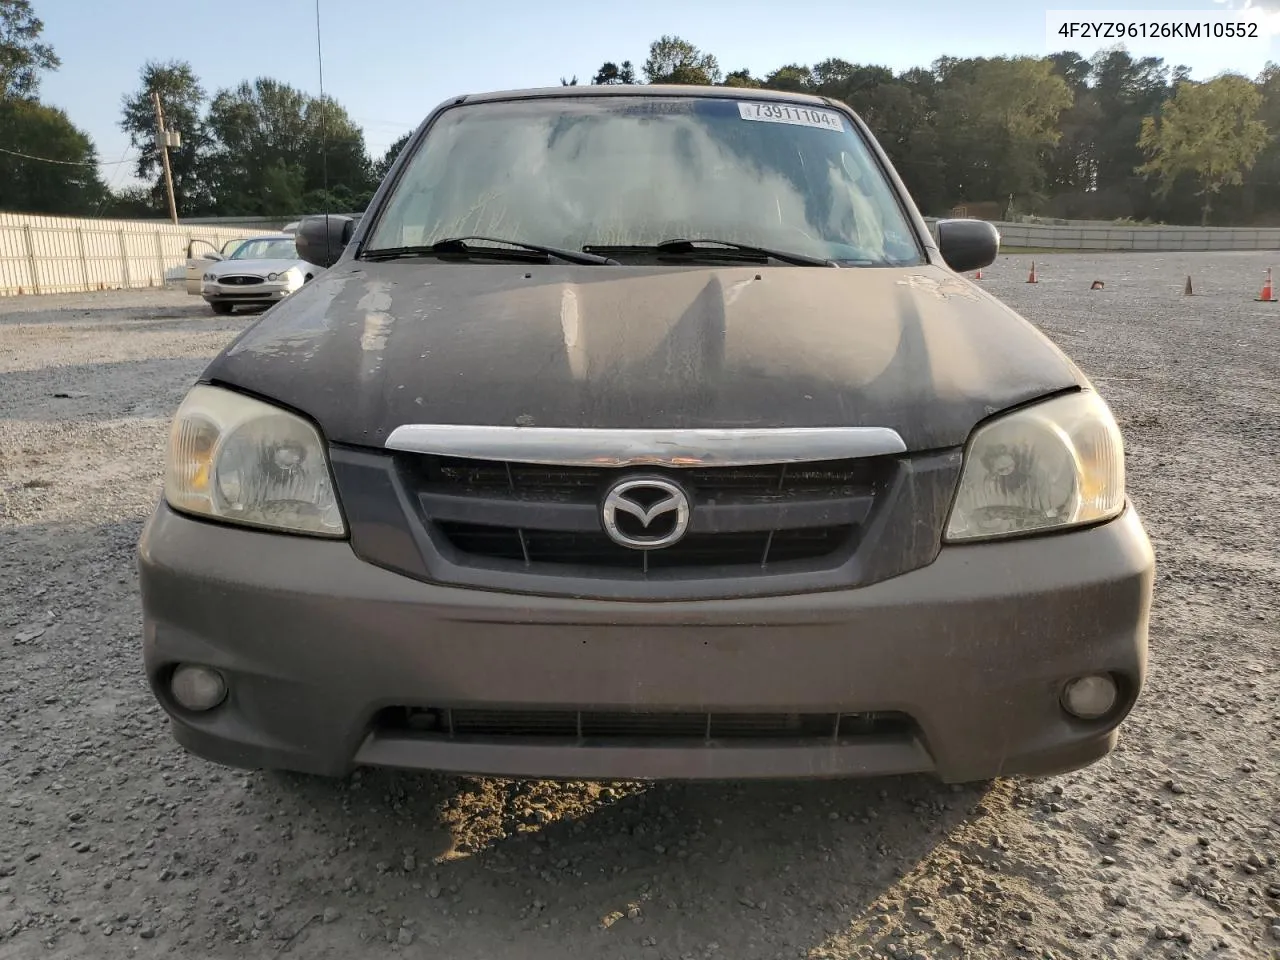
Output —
(114, 843)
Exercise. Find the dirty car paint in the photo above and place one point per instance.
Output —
(917, 349)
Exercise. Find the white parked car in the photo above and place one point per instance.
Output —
(258, 271)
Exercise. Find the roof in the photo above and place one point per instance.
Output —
(642, 90)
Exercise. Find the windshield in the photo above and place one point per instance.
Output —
(281, 248)
(635, 171)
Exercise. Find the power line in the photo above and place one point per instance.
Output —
(111, 185)
(68, 163)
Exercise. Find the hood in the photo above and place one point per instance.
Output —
(253, 267)
(366, 347)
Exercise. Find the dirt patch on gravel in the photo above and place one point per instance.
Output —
(114, 843)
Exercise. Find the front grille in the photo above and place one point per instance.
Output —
(588, 726)
(241, 281)
(742, 518)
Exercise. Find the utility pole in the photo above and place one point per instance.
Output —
(165, 138)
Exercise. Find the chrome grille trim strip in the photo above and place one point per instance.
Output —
(595, 447)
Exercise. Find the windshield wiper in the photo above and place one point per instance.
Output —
(688, 248)
(458, 246)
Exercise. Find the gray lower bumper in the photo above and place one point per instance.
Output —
(974, 647)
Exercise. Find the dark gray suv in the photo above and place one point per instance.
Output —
(645, 432)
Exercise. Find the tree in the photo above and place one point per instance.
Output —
(741, 78)
(1262, 184)
(280, 151)
(1125, 90)
(338, 155)
(995, 118)
(22, 55)
(610, 73)
(131, 203)
(382, 166)
(873, 91)
(1209, 131)
(1058, 134)
(673, 60)
(792, 78)
(183, 100)
(1071, 165)
(65, 180)
(569, 83)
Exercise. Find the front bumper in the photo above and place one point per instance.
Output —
(974, 648)
(255, 293)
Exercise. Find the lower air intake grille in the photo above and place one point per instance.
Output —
(574, 725)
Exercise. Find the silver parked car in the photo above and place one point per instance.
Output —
(259, 272)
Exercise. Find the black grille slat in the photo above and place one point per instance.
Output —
(596, 549)
(674, 726)
(835, 478)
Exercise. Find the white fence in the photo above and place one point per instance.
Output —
(1170, 239)
(64, 255)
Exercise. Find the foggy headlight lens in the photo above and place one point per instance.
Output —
(244, 461)
(1053, 465)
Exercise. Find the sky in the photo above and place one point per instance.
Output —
(389, 62)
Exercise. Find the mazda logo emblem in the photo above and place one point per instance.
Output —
(645, 513)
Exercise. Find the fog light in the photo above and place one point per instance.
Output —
(1090, 697)
(197, 688)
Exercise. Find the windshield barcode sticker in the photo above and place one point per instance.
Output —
(790, 113)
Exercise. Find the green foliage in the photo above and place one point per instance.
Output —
(382, 166)
(1058, 135)
(22, 55)
(273, 146)
(792, 78)
(183, 100)
(1000, 114)
(1208, 131)
(673, 60)
(133, 203)
(741, 78)
(69, 186)
(610, 73)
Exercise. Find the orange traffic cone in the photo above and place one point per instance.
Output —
(1187, 291)
(1032, 277)
(1267, 295)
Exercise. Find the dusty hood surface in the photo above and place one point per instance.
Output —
(365, 348)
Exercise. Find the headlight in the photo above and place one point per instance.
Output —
(210, 277)
(244, 461)
(1050, 466)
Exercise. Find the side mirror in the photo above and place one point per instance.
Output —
(321, 240)
(968, 244)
